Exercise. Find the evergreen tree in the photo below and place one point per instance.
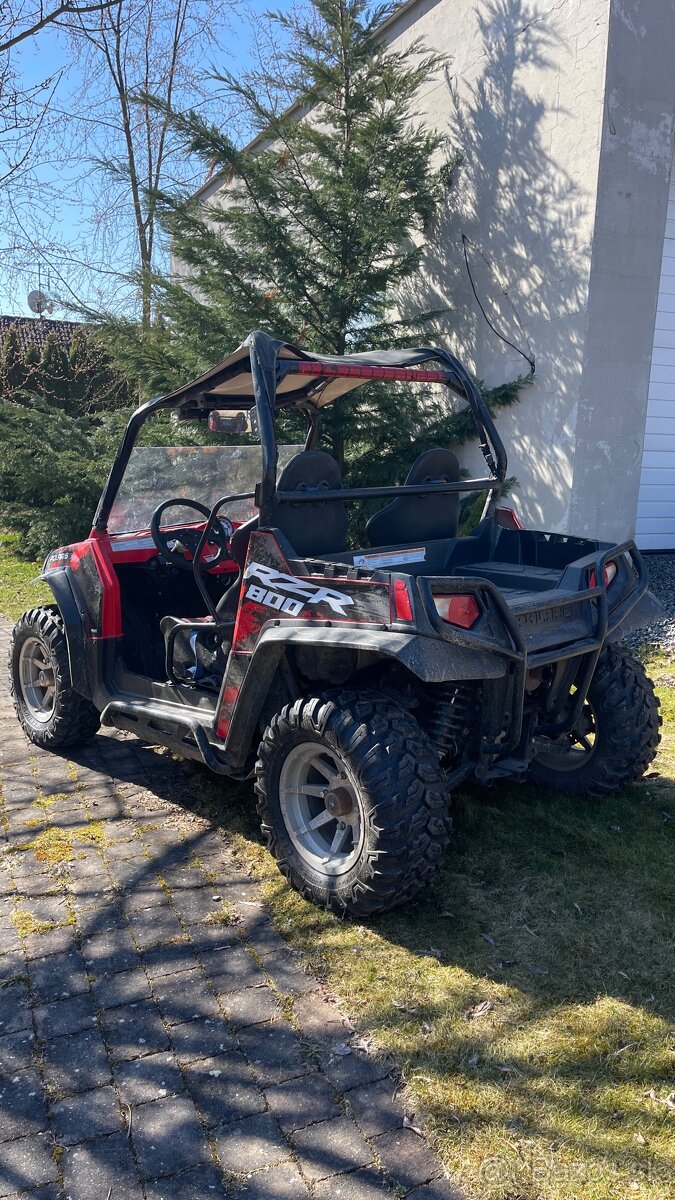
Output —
(54, 375)
(317, 232)
(13, 368)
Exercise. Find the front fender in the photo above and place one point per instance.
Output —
(73, 620)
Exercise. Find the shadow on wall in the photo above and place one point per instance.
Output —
(525, 213)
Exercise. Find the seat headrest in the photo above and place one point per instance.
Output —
(410, 519)
(314, 527)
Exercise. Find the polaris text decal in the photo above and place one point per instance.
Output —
(289, 594)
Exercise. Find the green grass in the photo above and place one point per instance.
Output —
(17, 589)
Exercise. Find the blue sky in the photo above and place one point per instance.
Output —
(48, 54)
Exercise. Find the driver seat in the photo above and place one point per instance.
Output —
(195, 649)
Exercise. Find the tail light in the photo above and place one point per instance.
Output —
(507, 518)
(461, 610)
(402, 606)
(608, 575)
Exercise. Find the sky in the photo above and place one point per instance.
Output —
(49, 54)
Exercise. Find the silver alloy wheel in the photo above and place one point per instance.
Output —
(36, 676)
(321, 809)
(574, 749)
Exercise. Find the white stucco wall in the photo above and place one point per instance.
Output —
(564, 115)
(522, 98)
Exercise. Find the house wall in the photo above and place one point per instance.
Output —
(522, 100)
(563, 115)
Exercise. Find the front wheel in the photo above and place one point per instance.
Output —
(616, 736)
(50, 711)
(353, 801)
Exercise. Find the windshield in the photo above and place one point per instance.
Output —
(203, 473)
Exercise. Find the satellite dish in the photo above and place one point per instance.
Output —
(39, 303)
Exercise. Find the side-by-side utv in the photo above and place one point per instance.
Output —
(217, 609)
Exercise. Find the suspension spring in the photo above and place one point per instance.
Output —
(452, 719)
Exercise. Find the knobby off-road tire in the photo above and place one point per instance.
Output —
(625, 711)
(391, 796)
(50, 718)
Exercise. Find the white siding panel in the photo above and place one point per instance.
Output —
(655, 525)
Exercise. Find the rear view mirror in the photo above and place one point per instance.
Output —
(227, 422)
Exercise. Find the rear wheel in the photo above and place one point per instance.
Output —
(353, 801)
(616, 736)
(51, 713)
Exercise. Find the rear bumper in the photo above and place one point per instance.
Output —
(567, 626)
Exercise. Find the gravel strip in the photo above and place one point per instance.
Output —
(661, 635)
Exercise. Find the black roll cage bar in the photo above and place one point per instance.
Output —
(268, 370)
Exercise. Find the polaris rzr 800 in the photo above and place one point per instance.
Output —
(216, 609)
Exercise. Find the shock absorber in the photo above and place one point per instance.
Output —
(452, 717)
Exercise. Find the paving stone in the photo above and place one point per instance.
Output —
(76, 1063)
(274, 1051)
(99, 919)
(196, 904)
(58, 976)
(167, 960)
(14, 1008)
(251, 1006)
(9, 938)
(133, 1030)
(406, 1158)
(230, 969)
(201, 1039)
(257, 930)
(85, 1116)
(52, 909)
(330, 1148)
(126, 987)
(50, 1191)
(321, 1021)
(168, 1137)
(353, 1070)
(13, 967)
(26, 1163)
(154, 926)
(200, 1183)
(211, 937)
(300, 1102)
(65, 1016)
(283, 968)
(146, 895)
(375, 1108)
(100, 1168)
(22, 1105)
(154, 1077)
(185, 996)
(365, 1184)
(251, 1143)
(109, 951)
(53, 941)
(128, 873)
(278, 1183)
(223, 1088)
(183, 877)
(35, 882)
(16, 1051)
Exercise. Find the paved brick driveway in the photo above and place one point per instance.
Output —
(157, 1037)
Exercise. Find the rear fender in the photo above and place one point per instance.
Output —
(646, 611)
(429, 659)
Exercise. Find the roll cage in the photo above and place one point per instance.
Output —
(270, 376)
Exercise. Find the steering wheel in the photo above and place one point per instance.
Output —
(179, 546)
